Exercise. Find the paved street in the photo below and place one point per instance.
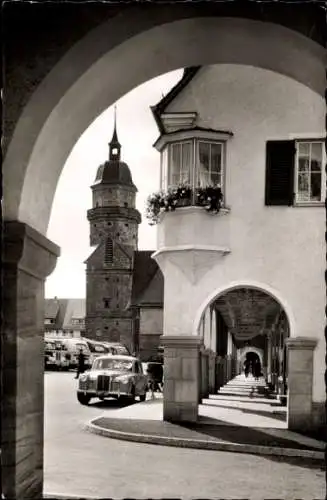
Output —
(84, 464)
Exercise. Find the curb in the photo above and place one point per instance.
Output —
(202, 444)
(60, 496)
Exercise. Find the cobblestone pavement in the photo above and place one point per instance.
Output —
(83, 464)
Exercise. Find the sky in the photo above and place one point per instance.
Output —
(68, 227)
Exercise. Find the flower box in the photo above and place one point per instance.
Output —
(209, 197)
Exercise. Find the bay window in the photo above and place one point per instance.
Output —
(194, 162)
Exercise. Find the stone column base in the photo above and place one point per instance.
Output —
(181, 378)
(300, 378)
(319, 418)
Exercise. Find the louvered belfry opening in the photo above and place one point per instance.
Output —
(109, 251)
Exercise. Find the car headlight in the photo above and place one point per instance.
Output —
(83, 377)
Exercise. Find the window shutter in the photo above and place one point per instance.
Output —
(280, 172)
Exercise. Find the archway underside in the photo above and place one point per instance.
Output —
(242, 320)
(249, 314)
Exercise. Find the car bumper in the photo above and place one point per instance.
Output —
(103, 394)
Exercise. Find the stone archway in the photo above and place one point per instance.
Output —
(40, 146)
(246, 320)
(92, 75)
(246, 350)
(245, 353)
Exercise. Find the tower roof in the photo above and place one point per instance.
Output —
(114, 171)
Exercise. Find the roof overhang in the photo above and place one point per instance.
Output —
(193, 133)
(176, 121)
(159, 108)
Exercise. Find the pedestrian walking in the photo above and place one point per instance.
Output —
(155, 374)
(80, 363)
(246, 367)
(257, 369)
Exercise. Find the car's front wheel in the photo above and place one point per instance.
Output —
(84, 399)
(143, 397)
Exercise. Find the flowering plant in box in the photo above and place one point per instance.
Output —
(209, 197)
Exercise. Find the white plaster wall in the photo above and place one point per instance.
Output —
(281, 249)
(151, 321)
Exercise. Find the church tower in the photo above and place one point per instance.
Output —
(114, 234)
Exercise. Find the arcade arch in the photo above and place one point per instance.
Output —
(241, 320)
(254, 350)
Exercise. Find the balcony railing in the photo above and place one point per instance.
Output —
(210, 198)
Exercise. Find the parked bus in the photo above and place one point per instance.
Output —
(55, 354)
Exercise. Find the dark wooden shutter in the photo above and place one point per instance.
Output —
(280, 172)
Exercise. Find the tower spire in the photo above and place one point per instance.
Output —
(114, 144)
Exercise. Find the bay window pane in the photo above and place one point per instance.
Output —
(315, 186)
(175, 164)
(216, 163)
(203, 175)
(164, 169)
(216, 179)
(185, 177)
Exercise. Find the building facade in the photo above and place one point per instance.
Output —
(258, 261)
(64, 317)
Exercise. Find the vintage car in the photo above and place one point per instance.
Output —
(73, 347)
(113, 376)
(117, 348)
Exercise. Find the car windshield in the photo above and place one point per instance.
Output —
(113, 364)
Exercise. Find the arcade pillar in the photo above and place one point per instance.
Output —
(28, 258)
(300, 377)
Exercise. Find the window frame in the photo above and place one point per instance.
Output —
(166, 161)
(306, 203)
(170, 161)
(222, 163)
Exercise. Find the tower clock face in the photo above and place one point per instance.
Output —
(115, 151)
